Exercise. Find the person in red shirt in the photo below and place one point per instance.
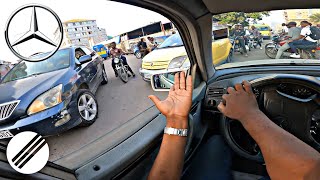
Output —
(115, 52)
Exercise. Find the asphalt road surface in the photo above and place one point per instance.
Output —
(118, 103)
(254, 54)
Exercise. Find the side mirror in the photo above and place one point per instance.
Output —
(163, 81)
(85, 58)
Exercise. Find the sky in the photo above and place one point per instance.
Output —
(115, 17)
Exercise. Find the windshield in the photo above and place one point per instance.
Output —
(59, 60)
(281, 37)
(172, 41)
(263, 28)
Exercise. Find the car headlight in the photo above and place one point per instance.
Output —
(116, 60)
(177, 62)
(46, 100)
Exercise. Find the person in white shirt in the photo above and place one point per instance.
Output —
(303, 40)
(285, 29)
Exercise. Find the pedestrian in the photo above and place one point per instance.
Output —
(151, 44)
(293, 33)
(284, 29)
(142, 45)
(303, 40)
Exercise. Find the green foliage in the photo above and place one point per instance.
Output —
(240, 17)
(315, 18)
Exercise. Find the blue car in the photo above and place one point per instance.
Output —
(53, 95)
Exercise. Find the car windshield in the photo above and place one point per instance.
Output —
(59, 60)
(263, 28)
(266, 38)
(172, 41)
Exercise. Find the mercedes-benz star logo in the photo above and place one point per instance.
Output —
(34, 32)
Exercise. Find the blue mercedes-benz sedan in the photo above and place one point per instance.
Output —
(51, 96)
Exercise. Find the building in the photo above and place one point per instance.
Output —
(298, 15)
(81, 32)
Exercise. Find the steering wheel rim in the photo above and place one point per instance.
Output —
(306, 81)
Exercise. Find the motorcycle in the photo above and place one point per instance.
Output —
(309, 52)
(253, 43)
(121, 69)
(236, 46)
(137, 52)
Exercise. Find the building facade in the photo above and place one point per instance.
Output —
(298, 15)
(81, 32)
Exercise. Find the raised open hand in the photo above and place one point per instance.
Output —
(177, 105)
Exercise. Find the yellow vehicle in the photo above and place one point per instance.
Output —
(172, 55)
(265, 30)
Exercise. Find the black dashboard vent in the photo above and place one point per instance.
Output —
(214, 92)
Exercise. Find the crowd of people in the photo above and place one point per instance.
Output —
(297, 37)
(243, 34)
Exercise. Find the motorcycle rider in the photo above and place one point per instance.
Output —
(303, 40)
(115, 52)
(143, 48)
(256, 35)
(240, 32)
(293, 33)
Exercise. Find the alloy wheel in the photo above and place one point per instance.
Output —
(87, 107)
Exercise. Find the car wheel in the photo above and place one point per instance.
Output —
(104, 77)
(138, 55)
(123, 75)
(229, 58)
(87, 106)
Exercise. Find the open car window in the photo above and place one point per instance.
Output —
(101, 93)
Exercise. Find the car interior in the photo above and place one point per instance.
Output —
(288, 93)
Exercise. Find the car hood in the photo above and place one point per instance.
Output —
(27, 89)
(165, 54)
(270, 62)
(14, 90)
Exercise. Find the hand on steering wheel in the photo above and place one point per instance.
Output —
(240, 103)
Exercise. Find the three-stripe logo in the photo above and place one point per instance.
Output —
(27, 152)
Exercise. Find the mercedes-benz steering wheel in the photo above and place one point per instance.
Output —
(291, 113)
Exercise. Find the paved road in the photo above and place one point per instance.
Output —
(118, 103)
(254, 54)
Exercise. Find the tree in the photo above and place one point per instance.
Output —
(315, 18)
(240, 17)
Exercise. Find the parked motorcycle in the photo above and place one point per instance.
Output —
(306, 52)
(121, 69)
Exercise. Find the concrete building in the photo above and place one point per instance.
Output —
(298, 15)
(81, 32)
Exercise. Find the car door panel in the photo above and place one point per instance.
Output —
(143, 142)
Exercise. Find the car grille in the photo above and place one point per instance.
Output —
(155, 65)
(6, 109)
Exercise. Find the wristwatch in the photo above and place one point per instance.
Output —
(176, 132)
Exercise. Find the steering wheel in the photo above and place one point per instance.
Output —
(291, 113)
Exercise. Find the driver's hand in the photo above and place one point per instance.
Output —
(178, 103)
(240, 103)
